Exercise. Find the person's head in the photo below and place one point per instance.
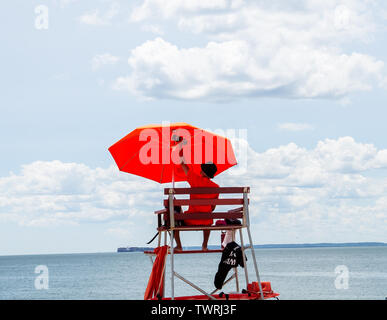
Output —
(208, 169)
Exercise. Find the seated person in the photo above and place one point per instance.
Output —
(195, 180)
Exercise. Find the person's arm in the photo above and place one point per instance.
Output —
(184, 166)
(182, 163)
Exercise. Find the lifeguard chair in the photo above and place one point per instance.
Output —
(167, 225)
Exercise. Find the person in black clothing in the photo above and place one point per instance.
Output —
(231, 258)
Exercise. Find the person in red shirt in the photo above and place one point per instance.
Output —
(195, 180)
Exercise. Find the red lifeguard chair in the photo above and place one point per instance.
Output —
(167, 225)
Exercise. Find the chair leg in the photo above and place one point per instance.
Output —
(255, 263)
(243, 257)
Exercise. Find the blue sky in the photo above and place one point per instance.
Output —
(307, 80)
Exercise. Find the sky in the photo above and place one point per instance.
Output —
(302, 84)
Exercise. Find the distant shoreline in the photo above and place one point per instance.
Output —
(275, 246)
(258, 246)
(323, 245)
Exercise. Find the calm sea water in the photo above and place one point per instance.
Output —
(302, 273)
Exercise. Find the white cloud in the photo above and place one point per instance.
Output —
(231, 69)
(169, 8)
(54, 192)
(65, 3)
(97, 18)
(294, 126)
(93, 18)
(327, 193)
(103, 59)
(320, 194)
(153, 29)
(121, 233)
(265, 48)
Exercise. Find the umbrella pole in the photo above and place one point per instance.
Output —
(173, 178)
(171, 212)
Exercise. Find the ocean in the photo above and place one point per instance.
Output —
(340, 273)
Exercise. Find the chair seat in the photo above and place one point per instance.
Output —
(187, 251)
(198, 228)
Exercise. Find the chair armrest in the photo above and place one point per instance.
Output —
(162, 211)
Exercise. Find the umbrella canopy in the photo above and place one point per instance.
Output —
(154, 151)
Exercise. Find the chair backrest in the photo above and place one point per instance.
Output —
(241, 212)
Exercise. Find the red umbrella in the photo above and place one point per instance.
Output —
(153, 151)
